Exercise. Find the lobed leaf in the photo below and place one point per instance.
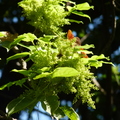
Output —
(18, 82)
(96, 61)
(96, 57)
(84, 6)
(27, 37)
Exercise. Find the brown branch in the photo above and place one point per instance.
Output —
(84, 38)
(12, 28)
(99, 86)
(106, 48)
(115, 6)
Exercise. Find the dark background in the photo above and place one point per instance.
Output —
(103, 31)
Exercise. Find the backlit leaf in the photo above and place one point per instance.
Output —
(76, 21)
(84, 6)
(96, 57)
(64, 72)
(41, 75)
(81, 14)
(86, 46)
(27, 37)
(18, 55)
(18, 82)
(51, 103)
(47, 38)
(70, 112)
(24, 72)
(19, 104)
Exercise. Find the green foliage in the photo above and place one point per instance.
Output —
(18, 82)
(25, 37)
(58, 65)
(78, 8)
(84, 6)
(65, 72)
(48, 15)
(18, 55)
(19, 104)
(94, 61)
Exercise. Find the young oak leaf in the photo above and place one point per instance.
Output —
(70, 36)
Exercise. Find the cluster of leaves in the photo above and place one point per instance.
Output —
(50, 15)
(58, 65)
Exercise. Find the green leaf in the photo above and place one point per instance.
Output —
(18, 82)
(95, 63)
(86, 51)
(27, 37)
(5, 44)
(84, 6)
(96, 57)
(31, 47)
(18, 55)
(51, 103)
(86, 46)
(41, 75)
(6, 85)
(45, 69)
(64, 72)
(70, 112)
(24, 72)
(2, 34)
(76, 21)
(47, 38)
(69, 8)
(19, 104)
(59, 114)
(81, 14)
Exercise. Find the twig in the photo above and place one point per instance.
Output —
(115, 6)
(98, 85)
(4, 116)
(84, 38)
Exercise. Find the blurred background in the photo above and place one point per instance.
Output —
(103, 31)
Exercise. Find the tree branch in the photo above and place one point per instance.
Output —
(106, 48)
